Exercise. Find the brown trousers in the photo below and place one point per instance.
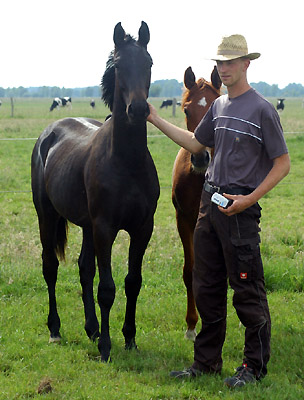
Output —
(227, 248)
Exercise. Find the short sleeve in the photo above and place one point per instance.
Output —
(204, 131)
(272, 133)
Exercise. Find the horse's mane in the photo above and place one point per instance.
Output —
(108, 79)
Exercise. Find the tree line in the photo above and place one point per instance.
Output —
(162, 88)
(50, 92)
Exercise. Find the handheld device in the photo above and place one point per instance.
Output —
(221, 200)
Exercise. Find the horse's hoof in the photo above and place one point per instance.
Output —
(130, 345)
(55, 339)
(92, 330)
(93, 336)
(190, 335)
(105, 359)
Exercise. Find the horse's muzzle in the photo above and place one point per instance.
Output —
(200, 161)
(138, 110)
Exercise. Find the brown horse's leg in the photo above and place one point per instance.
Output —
(186, 229)
(87, 271)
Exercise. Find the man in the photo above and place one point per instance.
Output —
(250, 158)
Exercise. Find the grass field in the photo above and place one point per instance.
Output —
(72, 368)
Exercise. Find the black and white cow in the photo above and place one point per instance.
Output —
(280, 104)
(0, 103)
(92, 103)
(61, 102)
(166, 103)
(169, 102)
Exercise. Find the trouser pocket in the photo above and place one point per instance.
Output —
(248, 258)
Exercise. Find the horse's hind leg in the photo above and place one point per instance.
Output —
(48, 232)
(87, 271)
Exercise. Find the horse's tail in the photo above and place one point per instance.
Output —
(61, 239)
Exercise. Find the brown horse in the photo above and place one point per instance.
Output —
(188, 179)
(102, 178)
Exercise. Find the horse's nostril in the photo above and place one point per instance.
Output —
(200, 161)
(138, 110)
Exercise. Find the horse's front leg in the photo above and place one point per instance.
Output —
(87, 271)
(103, 240)
(186, 230)
(138, 244)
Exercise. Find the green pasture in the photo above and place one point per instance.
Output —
(72, 368)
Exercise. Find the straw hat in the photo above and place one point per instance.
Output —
(232, 47)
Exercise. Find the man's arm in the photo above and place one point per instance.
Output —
(182, 137)
(281, 167)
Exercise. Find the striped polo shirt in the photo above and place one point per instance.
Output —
(246, 134)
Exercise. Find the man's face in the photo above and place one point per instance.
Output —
(233, 71)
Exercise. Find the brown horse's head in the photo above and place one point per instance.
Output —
(198, 96)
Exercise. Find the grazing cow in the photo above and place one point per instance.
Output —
(0, 103)
(61, 102)
(169, 102)
(92, 103)
(280, 104)
(166, 103)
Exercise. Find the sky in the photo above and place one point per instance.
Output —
(66, 43)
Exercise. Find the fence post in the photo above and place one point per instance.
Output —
(173, 106)
(12, 107)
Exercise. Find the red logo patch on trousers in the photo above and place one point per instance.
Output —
(243, 275)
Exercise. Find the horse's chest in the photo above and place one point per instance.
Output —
(134, 192)
(124, 196)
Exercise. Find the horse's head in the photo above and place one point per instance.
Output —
(131, 65)
(198, 96)
(196, 101)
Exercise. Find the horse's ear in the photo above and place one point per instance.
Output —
(215, 78)
(119, 34)
(189, 78)
(143, 34)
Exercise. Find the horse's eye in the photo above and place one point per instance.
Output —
(186, 112)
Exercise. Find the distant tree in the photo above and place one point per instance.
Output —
(43, 91)
(293, 90)
(55, 91)
(89, 92)
(169, 88)
(267, 90)
(66, 92)
(16, 92)
(155, 90)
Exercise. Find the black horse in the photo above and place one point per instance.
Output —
(102, 178)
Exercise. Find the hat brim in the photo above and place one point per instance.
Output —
(251, 56)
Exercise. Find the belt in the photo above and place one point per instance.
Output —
(226, 189)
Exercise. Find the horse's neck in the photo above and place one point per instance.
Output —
(129, 142)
